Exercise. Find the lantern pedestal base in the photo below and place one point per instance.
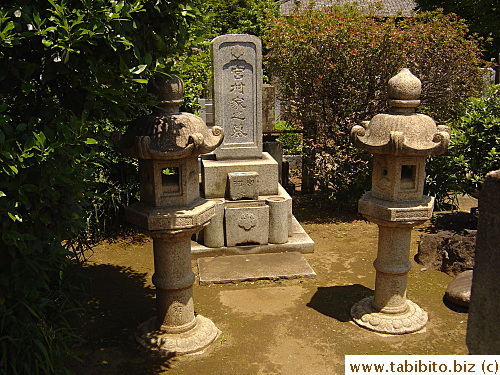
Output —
(412, 320)
(195, 339)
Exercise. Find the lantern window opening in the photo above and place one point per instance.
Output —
(170, 179)
(408, 176)
(408, 172)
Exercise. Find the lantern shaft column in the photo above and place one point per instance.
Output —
(392, 266)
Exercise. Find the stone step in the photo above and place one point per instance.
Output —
(299, 242)
(237, 268)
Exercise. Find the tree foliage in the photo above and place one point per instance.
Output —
(220, 17)
(333, 67)
(72, 71)
(474, 150)
(483, 17)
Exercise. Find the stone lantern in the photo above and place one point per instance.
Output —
(400, 141)
(167, 144)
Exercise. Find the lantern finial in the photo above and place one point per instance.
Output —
(403, 92)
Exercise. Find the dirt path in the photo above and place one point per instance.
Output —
(268, 327)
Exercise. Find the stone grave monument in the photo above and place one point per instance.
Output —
(400, 141)
(170, 210)
(483, 329)
(253, 211)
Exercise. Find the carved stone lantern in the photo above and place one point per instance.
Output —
(167, 144)
(400, 141)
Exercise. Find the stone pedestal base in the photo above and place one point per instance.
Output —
(412, 320)
(195, 339)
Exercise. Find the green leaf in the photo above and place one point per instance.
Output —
(40, 137)
(138, 69)
(15, 216)
(21, 127)
(47, 42)
(91, 141)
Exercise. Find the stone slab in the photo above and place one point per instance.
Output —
(299, 241)
(170, 218)
(239, 268)
(214, 174)
(405, 212)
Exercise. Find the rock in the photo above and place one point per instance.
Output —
(447, 251)
(458, 291)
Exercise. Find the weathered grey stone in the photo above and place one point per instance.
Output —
(170, 218)
(247, 222)
(253, 267)
(400, 140)
(243, 185)
(238, 101)
(458, 291)
(213, 235)
(483, 330)
(207, 111)
(275, 149)
(447, 251)
(280, 210)
(237, 66)
(167, 145)
(298, 241)
(268, 100)
(402, 211)
(214, 174)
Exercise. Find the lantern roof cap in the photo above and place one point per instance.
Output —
(401, 131)
(168, 133)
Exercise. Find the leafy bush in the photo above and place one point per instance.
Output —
(292, 142)
(73, 70)
(333, 67)
(473, 152)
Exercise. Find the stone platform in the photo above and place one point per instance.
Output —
(225, 269)
(299, 241)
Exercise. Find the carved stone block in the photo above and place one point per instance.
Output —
(243, 185)
(247, 223)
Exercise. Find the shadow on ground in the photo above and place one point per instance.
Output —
(336, 301)
(307, 206)
(116, 300)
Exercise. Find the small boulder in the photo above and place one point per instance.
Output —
(447, 251)
(458, 291)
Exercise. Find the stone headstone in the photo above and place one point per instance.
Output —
(483, 330)
(268, 109)
(237, 66)
(207, 111)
